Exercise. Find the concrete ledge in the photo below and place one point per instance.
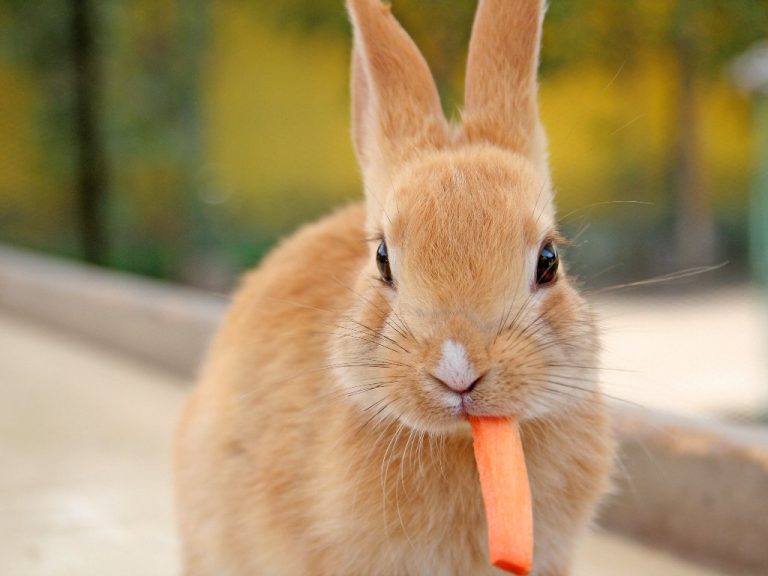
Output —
(697, 489)
(160, 323)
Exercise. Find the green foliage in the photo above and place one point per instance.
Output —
(36, 35)
(152, 62)
(39, 34)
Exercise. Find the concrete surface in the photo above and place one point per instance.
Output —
(84, 450)
(696, 488)
(84, 454)
(690, 353)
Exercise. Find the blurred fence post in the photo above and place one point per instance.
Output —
(91, 161)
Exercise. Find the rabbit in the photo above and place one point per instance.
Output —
(328, 432)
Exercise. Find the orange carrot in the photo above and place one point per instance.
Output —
(506, 493)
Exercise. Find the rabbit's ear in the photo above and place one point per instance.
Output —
(361, 101)
(500, 90)
(395, 105)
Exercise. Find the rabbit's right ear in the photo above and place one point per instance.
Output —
(396, 108)
(500, 89)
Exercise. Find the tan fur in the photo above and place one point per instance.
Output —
(317, 441)
(500, 91)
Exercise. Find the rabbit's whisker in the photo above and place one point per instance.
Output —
(384, 471)
(577, 388)
(596, 368)
(337, 313)
(354, 363)
(679, 275)
(376, 414)
(402, 461)
(401, 328)
(378, 333)
(373, 384)
(601, 204)
(363, 338)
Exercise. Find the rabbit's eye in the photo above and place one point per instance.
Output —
(382, 261)
(546, 267)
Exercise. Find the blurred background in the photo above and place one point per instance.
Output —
(178, 141)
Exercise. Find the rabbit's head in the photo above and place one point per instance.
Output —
(462, 306)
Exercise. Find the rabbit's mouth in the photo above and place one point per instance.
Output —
(476, 403)
(432, 406)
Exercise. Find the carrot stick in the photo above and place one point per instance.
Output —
(506, 493)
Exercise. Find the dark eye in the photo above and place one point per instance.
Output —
(546, 267)
(382, 261)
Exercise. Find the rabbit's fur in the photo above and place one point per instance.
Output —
(319, 440)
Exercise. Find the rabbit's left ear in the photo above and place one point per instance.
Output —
(500, 90)
(396, 108)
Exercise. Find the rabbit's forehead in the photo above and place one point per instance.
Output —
(468, 205)
(467, 223)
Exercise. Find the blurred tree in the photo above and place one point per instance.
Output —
(700, 37)
(705, 35)
(153, 63)
(91, 157)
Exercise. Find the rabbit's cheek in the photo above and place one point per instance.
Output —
(546, 362)
(564, 308)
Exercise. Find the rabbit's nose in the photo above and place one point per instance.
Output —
(454, 369)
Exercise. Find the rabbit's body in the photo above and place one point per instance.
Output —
(328, 434)
(287, 479)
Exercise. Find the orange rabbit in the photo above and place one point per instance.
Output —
(328, 434)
